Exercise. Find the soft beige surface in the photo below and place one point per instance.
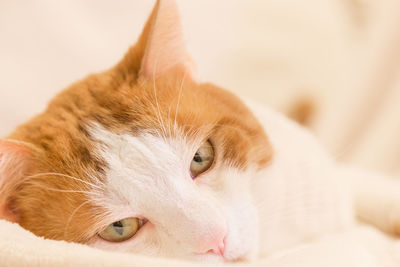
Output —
(360, 247)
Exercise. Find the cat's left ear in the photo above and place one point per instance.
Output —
(15, 163)
(161, 46)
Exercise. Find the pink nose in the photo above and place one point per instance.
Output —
(211, 241)
(219, 248)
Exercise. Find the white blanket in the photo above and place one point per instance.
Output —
(361, 247)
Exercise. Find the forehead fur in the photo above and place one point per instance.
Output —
(163, 105)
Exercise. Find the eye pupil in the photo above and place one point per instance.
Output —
(197, 158)
(117, 224)
(119, 228)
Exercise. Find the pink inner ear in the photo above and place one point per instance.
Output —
(8, 214)
(14, 163)
(165, 46)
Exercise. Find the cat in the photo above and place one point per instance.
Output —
(144, 158)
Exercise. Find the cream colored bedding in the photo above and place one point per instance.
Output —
(361, 247)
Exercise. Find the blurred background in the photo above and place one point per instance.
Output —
(334, 65)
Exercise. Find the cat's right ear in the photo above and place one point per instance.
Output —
(15, 163)
(161, 48)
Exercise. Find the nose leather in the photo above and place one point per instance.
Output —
(219, 249)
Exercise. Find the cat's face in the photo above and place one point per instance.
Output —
(141, 158)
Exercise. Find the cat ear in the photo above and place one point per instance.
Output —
(161, 46)
(165, 47)
(14, 164)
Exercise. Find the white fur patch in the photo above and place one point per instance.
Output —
(299, 197)
(148, 177)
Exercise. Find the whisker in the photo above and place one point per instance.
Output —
(179, 99)
(72, 215)
(94, 193)
(65, 176)
(169, 120)
(156, 99)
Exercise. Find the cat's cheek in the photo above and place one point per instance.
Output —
(240, 212)
(243, 237)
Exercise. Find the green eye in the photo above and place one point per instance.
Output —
(202, 160)
(121, 230)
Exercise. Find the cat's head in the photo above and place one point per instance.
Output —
(141, 158)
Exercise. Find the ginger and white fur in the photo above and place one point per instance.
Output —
(227, 214)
